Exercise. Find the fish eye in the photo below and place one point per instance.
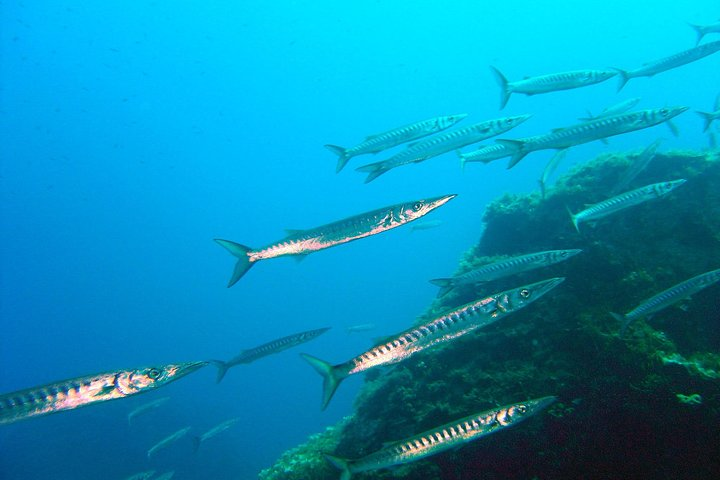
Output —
(153, 373)
(524, 293)
(668, 185)
(664, 111)
(417, 206)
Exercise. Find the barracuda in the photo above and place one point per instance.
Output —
(451, 435)
(439, 144)
(304, 242)
(81, 391)
(668, 63)
(146, 408)
(599, 129)
(616, 109)
(668, 297)
(213, 431)
(504, 268)
(276, 346)
(392, 138)
(550, 169)
(549, 83)
(638, 165)
(167, 441)
(444, 328)
(623, 201)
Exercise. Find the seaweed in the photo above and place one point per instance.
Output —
(645, 404)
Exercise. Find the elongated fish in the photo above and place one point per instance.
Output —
(623, 201)
(213, 431)
(638, 165)
(566, 137)
(709, 117)
(504, 268)
(396, 136)
(668, 297)
(275, 346)
(444, 328)
(443, 143)
(615, 109)
(166, 475)
(142, 475)
(550, 169)
(668, 63)
(425, 225)
(363, 327)
(549, 83)
(451, 435)
(485, 154)
(304, 242)
(167, 441)
(146, 407)
(703, 30)
(81, 391)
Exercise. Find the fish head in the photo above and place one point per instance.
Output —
(602, 75)
(659, 115)
(146, 378)
(666, 187)
(521, 296)
(531, 407)
(504, 124)
(410, 211)
(560, 255)
(448, 121)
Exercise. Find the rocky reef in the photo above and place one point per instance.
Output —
(642, 405)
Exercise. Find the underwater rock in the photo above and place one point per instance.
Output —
(619, 413)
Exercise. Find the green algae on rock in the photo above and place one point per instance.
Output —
(620, 413)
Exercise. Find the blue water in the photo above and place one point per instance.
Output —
(134, 133)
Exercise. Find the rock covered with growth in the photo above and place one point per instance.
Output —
(642, 405)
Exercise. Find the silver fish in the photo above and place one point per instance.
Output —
(304, 242)
(566, 137)
(81, 391)
(639, 164)
(615, 109)
(668, 63)
(623, 201)
(703, 30)
(364, 327)
(392, 138)
(142, 475)
(504, 268)
(485, 154)
(451, 435)
(550, 169)
(443, 143)
(213, 431)
(275, 346)
(668, 297)
(146, 407)
(549, 83)
(426, 225)
(442, 329)
(167, 441)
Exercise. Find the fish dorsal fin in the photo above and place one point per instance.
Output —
(300, 257)
(558, 129)
(372, 137)
(291, 232)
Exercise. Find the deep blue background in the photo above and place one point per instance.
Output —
(134, 133)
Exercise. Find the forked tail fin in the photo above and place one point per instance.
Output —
(700, 31)
(222, 369)
(373, 170)
(341, 464)
(445, 285)
(707, 118)
(624, 322)
(241, 253)
(574, 219)
(624, 76)
(504, 87)
(331, 377)
(342, 154)
(518, 149)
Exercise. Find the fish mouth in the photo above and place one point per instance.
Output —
(540, 404)
(440, 201)
(189, 367)
(678, 110)
(542, 287)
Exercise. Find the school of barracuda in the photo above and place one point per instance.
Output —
(616, 119)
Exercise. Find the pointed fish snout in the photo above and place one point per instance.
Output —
(190, 367)
(442, 200)
(540, 404)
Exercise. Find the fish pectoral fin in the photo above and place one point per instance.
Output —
(300, 257)
(673, 128)
(104, 390)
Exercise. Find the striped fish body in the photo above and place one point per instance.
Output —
(486, 154)
(637, 166)
(668, 63)
(442, 329)
(81, 391)
(601, 128)
(270, 348)
(304, 242)
(443, 143)
(507, 267)
(624, 200)
(407, 133)
(669, 297)
(616, 109)
(451, 435)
